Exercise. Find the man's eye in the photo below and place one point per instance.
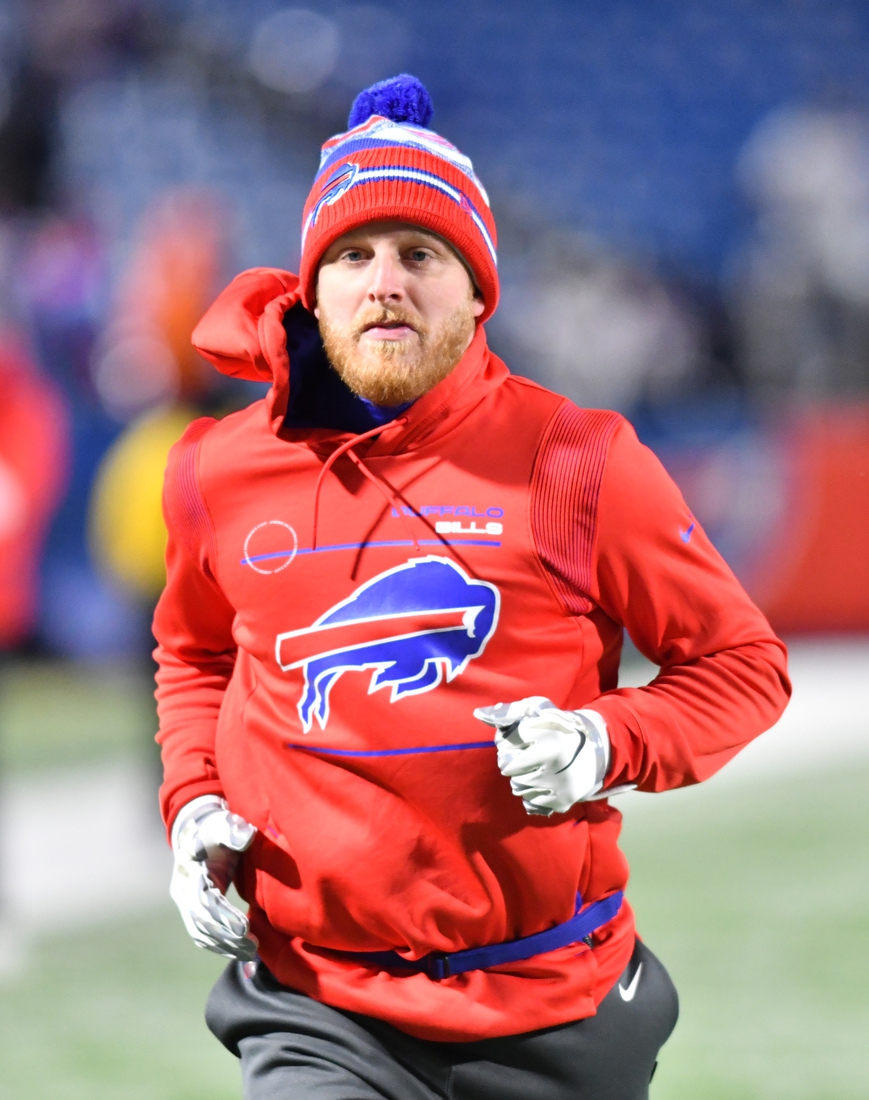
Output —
(419, 255)
(353, 255)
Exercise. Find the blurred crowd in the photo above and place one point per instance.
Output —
(682, 194)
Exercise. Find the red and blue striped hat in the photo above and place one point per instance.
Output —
(390, 166)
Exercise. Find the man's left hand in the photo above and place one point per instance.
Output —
(553, 758)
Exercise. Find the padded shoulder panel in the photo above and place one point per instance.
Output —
(186, 512)
(565, 488)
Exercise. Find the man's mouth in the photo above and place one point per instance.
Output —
(388, 330)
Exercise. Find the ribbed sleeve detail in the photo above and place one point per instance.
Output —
(186, 512)
(565, 488)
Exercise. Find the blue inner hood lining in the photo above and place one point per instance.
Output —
(318, 397)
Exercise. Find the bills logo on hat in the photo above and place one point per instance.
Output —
(338, 184)
(412, 626)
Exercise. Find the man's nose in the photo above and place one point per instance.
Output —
(387, 279)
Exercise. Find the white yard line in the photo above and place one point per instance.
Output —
(80, 844)
(83, 844)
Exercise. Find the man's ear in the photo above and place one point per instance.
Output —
(479, 305)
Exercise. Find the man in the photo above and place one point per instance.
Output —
(401, 542)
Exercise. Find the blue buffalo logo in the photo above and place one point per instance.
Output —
(411, 625)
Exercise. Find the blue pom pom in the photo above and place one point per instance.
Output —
(402, 98)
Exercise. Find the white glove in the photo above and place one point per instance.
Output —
(553, 758)
(207, 842)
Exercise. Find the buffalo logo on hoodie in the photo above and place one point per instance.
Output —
(411, 625)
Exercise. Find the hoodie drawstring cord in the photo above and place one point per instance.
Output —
(333, 458)
(386, 489)
(394, 497)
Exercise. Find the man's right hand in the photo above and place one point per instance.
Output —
(207, 842)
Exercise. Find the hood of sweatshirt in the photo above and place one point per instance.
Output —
(258, 329)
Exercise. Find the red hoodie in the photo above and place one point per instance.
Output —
(322, 651)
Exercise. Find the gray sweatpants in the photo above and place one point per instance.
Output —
(294, 1048)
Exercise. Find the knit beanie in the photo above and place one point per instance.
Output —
(389, 166)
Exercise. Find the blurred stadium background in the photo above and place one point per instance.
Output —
(682, 194)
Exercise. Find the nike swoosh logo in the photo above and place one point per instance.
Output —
(628, 994)
(686, 535)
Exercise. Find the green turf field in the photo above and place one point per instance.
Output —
(755, 896)
(56, 713)
(757, 900)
